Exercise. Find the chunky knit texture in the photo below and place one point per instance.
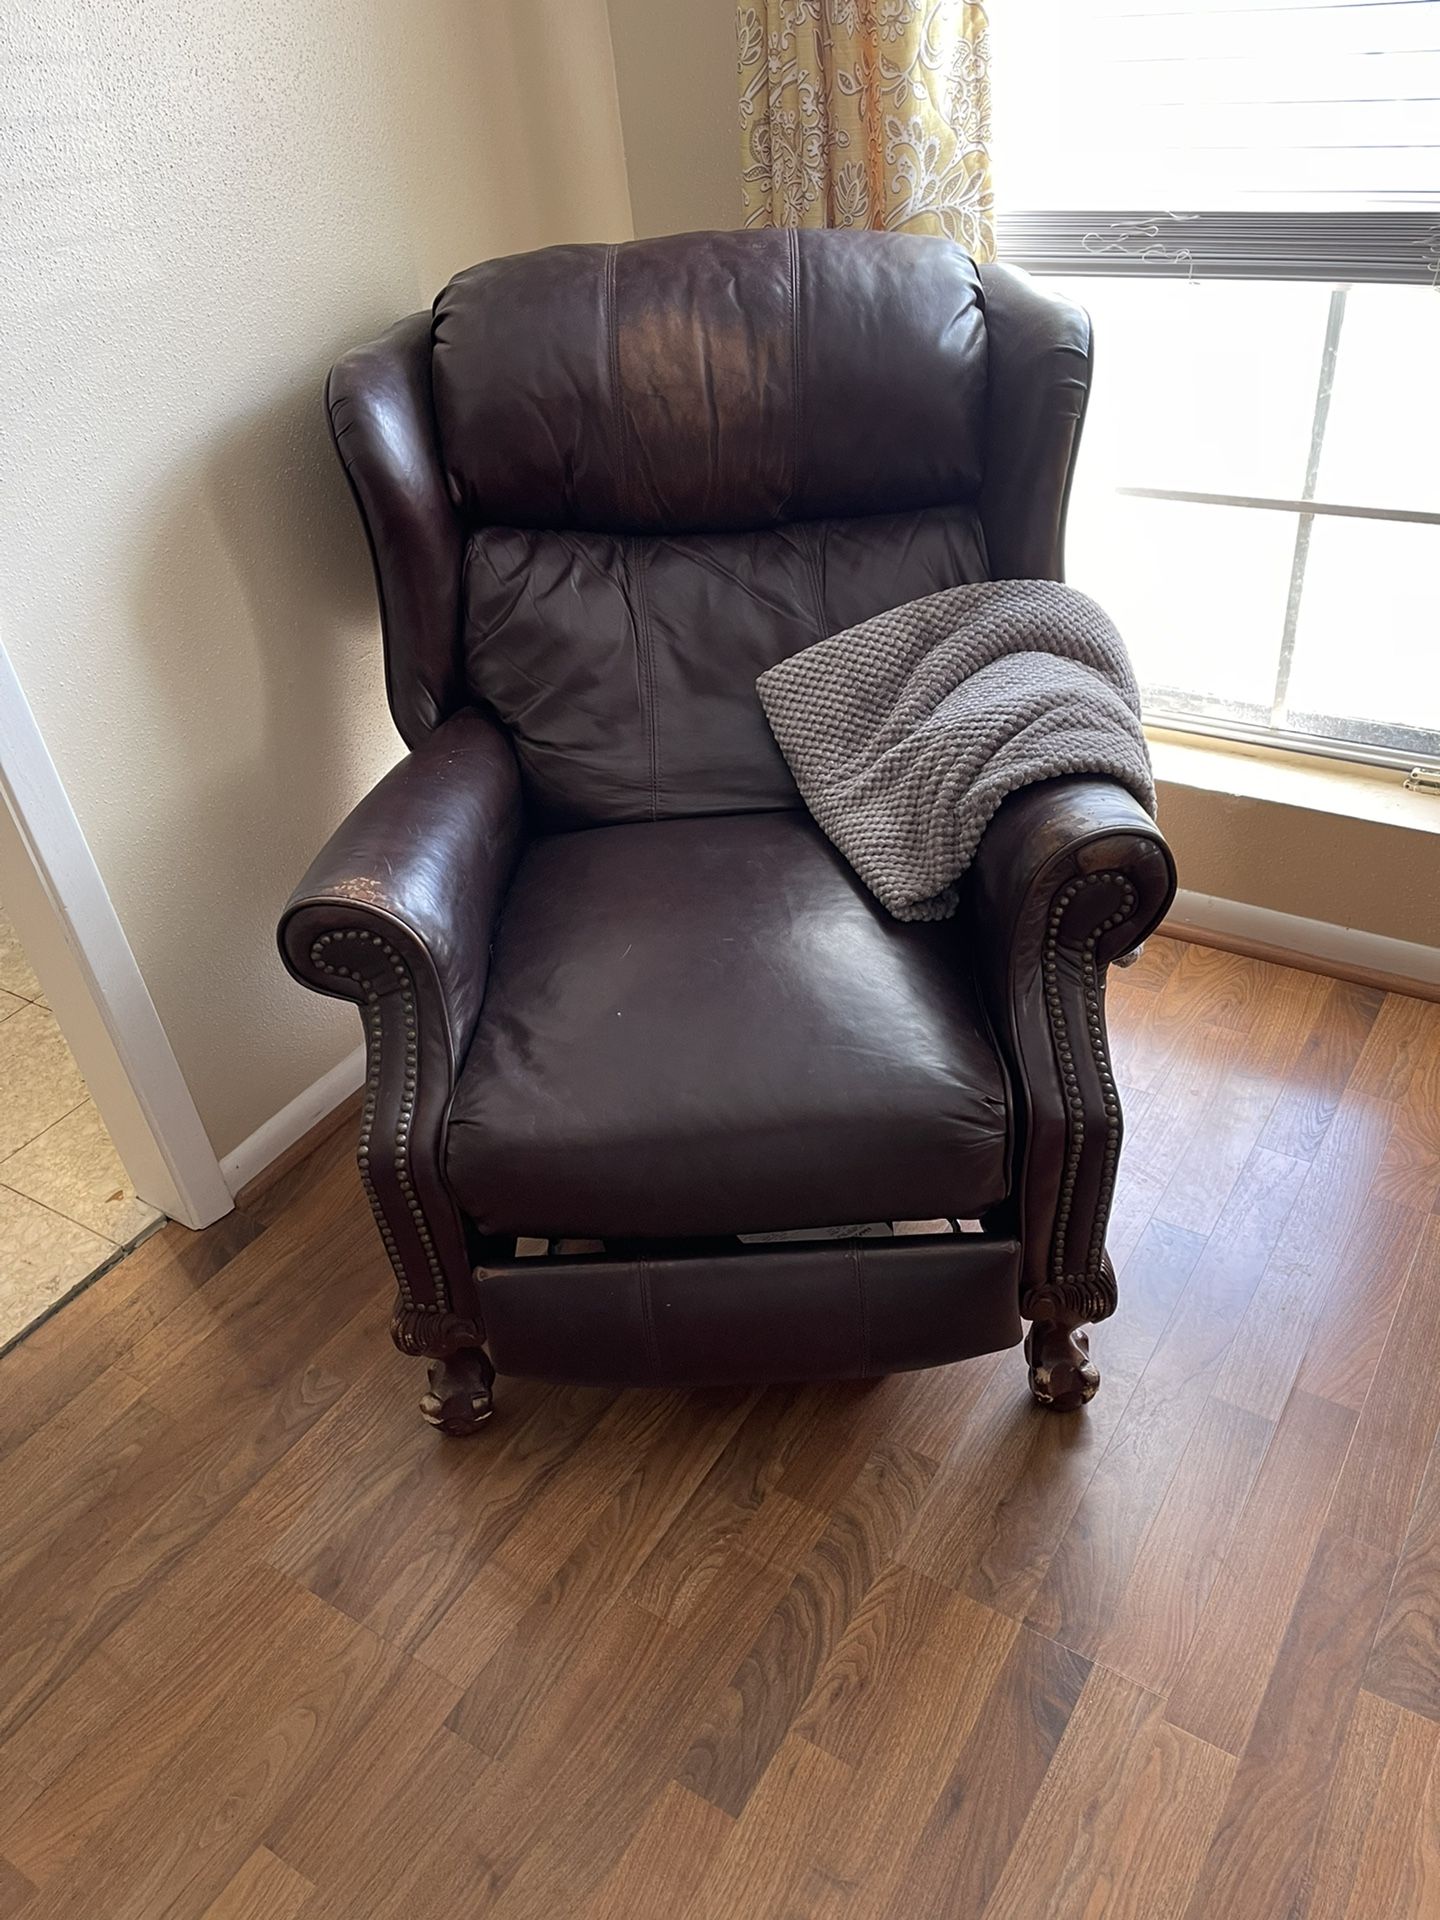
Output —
(905, 733)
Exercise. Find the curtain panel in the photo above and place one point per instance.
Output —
(867, 113)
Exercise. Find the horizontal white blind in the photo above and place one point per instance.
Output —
(1238, 104)
(1400, 246)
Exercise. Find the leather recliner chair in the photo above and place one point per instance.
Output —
(614, 982)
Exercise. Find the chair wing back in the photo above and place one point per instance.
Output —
(605, 487)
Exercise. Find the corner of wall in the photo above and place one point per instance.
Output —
(675, 71)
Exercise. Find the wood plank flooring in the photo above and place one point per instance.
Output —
(270, 1649)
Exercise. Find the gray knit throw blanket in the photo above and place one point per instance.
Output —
(905, 733)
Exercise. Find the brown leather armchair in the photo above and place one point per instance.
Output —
(614, 982)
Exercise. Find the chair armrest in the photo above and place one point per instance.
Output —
(421, 863)
(397, 914)
(1070, 875)
(1039, 384)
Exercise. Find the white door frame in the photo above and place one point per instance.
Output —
(55, 897)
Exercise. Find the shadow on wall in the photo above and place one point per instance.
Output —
(532, 152)
(257, 555)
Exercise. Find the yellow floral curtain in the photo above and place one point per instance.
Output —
(867, 113)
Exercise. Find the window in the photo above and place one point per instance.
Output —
(1247, 198)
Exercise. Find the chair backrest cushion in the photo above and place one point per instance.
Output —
(678, 461)
(625, 665)
(713, 381)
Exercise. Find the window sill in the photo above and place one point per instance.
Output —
(1315, 785)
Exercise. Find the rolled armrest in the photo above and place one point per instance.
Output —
(397, 914)
(1058, 831)
(1070, 875)
(420, 865)
(1039, 384)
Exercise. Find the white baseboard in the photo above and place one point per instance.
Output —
(293, 1122)
(1350, 951)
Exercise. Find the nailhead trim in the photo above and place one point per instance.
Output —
(1096, 1290)
(372, 1015)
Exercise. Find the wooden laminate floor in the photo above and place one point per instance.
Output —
(271, 1647)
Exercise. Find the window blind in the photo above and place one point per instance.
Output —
(1244, 138)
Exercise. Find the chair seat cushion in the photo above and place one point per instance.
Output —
(708, 1026)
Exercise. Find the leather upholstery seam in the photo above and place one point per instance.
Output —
(462, 622)
(612, 340)
(856, 1263)
(647, 1310)
(797, 377)
(645, 641)
(809, 540)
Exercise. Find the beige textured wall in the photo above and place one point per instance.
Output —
(675, 64)
(205, 204)
(1347, 870)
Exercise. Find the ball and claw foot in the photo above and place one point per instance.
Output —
(459, 1400)
(1062, 1374)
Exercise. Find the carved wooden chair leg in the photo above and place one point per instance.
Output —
(1062, 1374)
(459, 1400)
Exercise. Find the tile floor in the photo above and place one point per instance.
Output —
(66, 1206)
